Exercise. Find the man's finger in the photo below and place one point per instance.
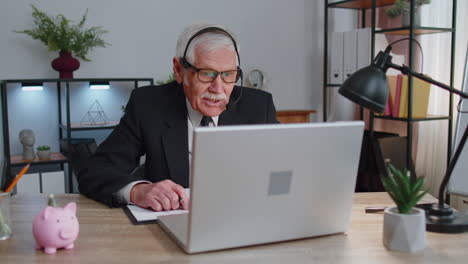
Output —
(155, 205)
(183, 198)
(164, 201)
(173, 199)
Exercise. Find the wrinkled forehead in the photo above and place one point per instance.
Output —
(222, 58)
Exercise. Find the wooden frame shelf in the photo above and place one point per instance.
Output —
(427, 118)
(55, 157)
(294, 116)
(79, 126)
(360, 4)
(417, 30)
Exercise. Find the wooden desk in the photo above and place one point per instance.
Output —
(294, 116)
(107, 236)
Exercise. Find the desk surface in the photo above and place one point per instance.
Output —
(107, 236)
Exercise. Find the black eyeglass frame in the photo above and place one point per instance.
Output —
(197, 70)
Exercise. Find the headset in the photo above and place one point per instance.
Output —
(240, 74)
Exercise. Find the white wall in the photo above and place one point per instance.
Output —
(275, 36)
(282, 38)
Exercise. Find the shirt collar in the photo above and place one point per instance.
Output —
(195, 117)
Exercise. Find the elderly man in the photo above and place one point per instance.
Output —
(159, 121)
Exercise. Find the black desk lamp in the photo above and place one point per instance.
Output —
(368, 88)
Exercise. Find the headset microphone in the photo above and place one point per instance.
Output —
(231, 104)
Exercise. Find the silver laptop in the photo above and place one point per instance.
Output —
(268, 183)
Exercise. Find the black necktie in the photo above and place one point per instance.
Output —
(206, 120)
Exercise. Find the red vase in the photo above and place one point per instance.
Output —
(65, 64)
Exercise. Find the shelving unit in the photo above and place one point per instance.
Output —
(408, 31)
(64, 125)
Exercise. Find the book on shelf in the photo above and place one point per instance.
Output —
(396, 102)
(420, 100)
(391, 80)
(388, 108)
(397, 105)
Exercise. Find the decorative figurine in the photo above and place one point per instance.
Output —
(95, 116)
(55, 228)
(27, 139)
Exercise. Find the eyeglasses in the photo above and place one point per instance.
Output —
(206, 75)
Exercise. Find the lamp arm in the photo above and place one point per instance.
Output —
(450, 168)
(406, 70)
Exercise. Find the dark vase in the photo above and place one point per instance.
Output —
(65, 64)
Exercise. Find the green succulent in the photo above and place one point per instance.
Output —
(402, 6)
(59, 34)
(403, 191)
(43, 147)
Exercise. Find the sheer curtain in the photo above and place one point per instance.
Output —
(431, 161)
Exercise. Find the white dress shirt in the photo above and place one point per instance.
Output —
(193, 120)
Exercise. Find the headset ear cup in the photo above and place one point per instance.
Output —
(184, 63)
(240, 74)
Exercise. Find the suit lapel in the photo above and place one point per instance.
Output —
(228, 117)
(175, 141)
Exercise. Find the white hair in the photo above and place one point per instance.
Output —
(208, 41)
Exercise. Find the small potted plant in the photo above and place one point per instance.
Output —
(43, 152)
(60, 34)
(402, 7)
(404, 226)
(169, 79)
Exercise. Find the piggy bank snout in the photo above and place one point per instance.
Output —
(69, 230)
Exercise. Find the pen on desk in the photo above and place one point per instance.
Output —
(17, 178)
(374, 210)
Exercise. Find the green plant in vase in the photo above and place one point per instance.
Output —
(43, 148)
(43, 152)
(61, 34)
(403, 191)
(404, 227)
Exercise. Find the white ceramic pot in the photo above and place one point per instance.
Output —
(404, 232)
(43, 154)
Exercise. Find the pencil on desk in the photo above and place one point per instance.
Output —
(18, 177)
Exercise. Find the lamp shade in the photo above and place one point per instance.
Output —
(368, 87)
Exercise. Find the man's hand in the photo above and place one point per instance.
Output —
(161, 196)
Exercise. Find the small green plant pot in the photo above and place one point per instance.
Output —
(43, 154)
(404, 232)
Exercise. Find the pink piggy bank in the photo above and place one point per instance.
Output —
(55, 228)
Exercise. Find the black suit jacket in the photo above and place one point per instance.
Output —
(155, 124)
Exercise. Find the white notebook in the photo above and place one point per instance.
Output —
(140, 215)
